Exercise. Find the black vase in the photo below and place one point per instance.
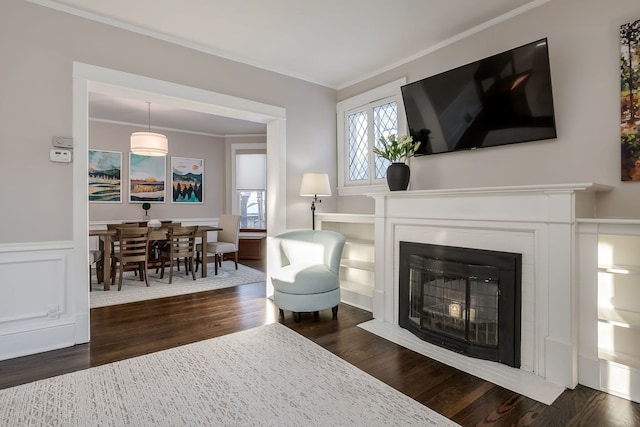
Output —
(398, 175)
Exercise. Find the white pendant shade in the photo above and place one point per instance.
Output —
(315, 184)
(149, 144)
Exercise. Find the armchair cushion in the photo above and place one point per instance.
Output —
(302, 279)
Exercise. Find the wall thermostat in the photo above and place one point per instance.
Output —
(62, 156)
(61, 141)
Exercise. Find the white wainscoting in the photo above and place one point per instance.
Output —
(44, 293)
(36, 306)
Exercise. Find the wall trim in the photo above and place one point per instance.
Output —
(35, 246)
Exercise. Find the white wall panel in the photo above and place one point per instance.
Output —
(34, 284)
(34, 307)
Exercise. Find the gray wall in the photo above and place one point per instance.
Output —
(115, 137)
(584, 53)
(37, 49)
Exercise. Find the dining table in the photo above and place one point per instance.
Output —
(157, 234)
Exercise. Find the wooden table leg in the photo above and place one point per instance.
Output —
(106, 263)
(204, 253)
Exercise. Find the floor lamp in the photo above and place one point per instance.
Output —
(314, 185)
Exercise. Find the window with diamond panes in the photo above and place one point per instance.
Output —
(361, 130)
(362, 120)
(385, 123)
(358, 147)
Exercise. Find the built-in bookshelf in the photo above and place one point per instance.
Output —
(614, 246)
(357, 264)
(619, 298)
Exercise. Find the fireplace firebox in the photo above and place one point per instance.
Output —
(466, 300)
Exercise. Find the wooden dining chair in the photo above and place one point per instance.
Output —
(114, 242)
(115, 246)
(133, 244)
(156, 247)
(180, 244)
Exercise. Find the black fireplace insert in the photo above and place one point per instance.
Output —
(463, 299)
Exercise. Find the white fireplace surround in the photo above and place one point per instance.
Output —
(537, 221)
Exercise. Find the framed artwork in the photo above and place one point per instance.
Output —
(105, 171)
(187, 178)
(147, 175)
(629, 97)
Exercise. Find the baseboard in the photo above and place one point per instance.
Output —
(46, 336)
(619, 380)
(356, 299)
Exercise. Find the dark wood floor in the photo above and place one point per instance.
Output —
(120, 332)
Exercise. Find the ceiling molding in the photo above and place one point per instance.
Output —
(451, 40)
(145, 126)
(174, 40)
(434, 40)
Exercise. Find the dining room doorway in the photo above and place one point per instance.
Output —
(89, 78)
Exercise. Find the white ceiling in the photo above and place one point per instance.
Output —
(117, 109)
(330, 42)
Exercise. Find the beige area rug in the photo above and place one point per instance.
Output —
(267, 376)
(135, 290)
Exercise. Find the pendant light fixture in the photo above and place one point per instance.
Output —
(149, 143)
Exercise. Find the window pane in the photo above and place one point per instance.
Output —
(252, 209)
(385, 122)
(358, 147)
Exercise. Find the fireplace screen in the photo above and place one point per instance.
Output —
(455, 303)
(461, 302)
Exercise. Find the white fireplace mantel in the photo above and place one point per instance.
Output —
(538, 221)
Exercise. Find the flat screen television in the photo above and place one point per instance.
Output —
(503, 99)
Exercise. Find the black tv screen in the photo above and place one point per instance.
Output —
(502, 99)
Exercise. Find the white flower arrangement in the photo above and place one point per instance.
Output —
(397, 149)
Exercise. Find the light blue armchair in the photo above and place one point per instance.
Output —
(304, 268)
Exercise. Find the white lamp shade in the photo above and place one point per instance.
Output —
(315, 184)
(149, 144)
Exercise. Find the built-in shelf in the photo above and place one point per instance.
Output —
(357, 266)
(618, 317)
(359, 242)
(620, 269)
(612, 357)
(357, 287)
(629, 360)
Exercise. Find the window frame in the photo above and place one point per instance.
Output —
(238, 148)
(389, 92)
